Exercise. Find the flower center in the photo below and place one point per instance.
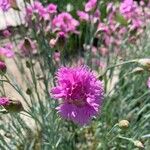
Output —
(77, 102)
(77, 95)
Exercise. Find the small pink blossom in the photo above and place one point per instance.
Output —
(83, 15)
(51, 8)
(7, 51)
(90, 5)
(36, 9)
(109, 6)
(96, 16)
(103, 27)
(52, 42)
(56, 57)
(6, 33)
(104, 51)
(127, 6)
(4, 5)
(64, 22)
(4, 101)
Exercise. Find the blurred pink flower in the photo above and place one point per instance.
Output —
(64, 22)
(90, 5)
(96, 16)
(104, 51)
(56, 57)
(103, 27)
(80, 61)
(36, 9)
(81, 94)
(51, 8)
(4, 5)
(7, 51)
(148, 82)
(109, 6)
(83, 15)
(127, 6)
(4, 101)
(27, 47)
(6, 33)
(53, 42)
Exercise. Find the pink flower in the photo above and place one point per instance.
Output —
(90, 5)
(4, 101)
(103, 27)
(36, 9)
(148, 82)
(64, 22)
(83, 15)
(104, 51)
(56, 56)
(27, 47)
(80, 94)
(51, 8)
(7, 51)
(96, 16)
(127, 6)
(6, 33)
(4, 5)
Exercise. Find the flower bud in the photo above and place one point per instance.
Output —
(3, 68)
(138, 144)
(61, 39)
(29, 91)
(52, 43)
(28, 64)
(123, 124)
(145, 62)
(27, 47)
(11, 105)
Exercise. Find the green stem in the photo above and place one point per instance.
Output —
(117, 65)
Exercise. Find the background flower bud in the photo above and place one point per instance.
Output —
(3, 68)
(138, 144)
(14, 106)
(145, 62)
(123, 124)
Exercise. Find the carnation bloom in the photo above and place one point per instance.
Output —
(7, 51)
(80, 94)
(36, 9)
(51, 8)
(64, 22)
(127, 6)
(148, 82)
(4, 101)
(4, 5)
(90, 5)
(83, 15)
